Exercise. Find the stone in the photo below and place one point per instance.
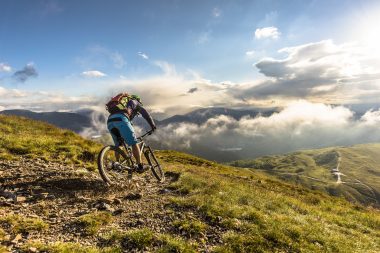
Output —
(17, 238)
(118, 211)
(134, 196)
(20, 199)
(32, 249)
(117, 201)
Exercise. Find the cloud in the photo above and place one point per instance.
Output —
(192, 90)
(27, 72)
(250, 53)
(5, 67)
(143, 55)
(320, 70)
(11, 93)
(93, 73)
(44, 101)
(216, 12)
(300, 125)
(267, 32)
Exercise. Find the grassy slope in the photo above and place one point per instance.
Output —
(22, 136)
(253, 212)
(360, 165)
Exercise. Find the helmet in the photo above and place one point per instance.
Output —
(136, 97)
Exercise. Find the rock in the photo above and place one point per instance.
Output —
(20, 199)
(42, 195)
(117, 201)
(164, 191)
(8, 194)
(32, 249)
(102, 206)
(118, 211)
(134, 196)
(17, 238)
(139, 222)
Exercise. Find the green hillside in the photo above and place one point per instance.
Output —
(202, 207)
(30, 138)
(352, 172)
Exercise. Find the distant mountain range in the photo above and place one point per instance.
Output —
(77, 121)
(200, 116)
(67, 120)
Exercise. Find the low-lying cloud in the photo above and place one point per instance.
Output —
(301, 125)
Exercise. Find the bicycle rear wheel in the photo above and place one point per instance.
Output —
(112, 164)
(154, 164)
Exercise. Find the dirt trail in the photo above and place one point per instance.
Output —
(336, 171)
(60, 194)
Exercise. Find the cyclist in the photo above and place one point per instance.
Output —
(123, 108)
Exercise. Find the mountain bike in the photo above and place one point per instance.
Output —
(117, 162)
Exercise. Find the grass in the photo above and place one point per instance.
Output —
(138, 238)
(145, 239)
(360, 165)
(92, 222)
(262, 214)
(20, 224)
(68, 247)
(30, 138)
(191, 228)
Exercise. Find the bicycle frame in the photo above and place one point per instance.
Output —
(141, 144)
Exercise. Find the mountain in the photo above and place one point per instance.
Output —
(352, 172)
(67, 120)
(52, 200)
(200, 116)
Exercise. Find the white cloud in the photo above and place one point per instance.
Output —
(143, 55)
(93, 73)
(322, 70)
(43, 101)
(267, 32)
(300, 125)
(11, 93)
(216, 12)
(5, 67)
(250, 54)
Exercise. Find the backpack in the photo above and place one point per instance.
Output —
(116, 104)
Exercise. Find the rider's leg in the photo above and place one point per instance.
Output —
(136, 153)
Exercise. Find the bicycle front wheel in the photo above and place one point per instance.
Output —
(112, 164)
(154, 164)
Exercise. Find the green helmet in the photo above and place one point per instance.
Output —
(136, 97)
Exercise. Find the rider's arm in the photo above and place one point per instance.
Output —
(134, 105)
(147, 117)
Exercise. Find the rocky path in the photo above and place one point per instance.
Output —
(59, 194)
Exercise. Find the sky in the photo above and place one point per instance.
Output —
(180, 55)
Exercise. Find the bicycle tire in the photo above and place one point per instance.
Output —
(105, 172)
(154, 165)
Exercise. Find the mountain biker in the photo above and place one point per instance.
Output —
(123, 108)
